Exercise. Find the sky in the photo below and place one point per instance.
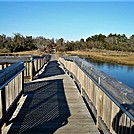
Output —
(71, 20)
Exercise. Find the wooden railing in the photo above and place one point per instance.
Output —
(33, 63)
(111, 102)
(14, 69)
(11, 88)
(38, 63)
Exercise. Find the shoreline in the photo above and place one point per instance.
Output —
(118, 57)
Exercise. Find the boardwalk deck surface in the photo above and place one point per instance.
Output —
(51, 104)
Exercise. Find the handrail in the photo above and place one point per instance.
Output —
(11, 89)
(10, 79)
(33, 63)
(107, 97)
(5, 75)
(125, 90)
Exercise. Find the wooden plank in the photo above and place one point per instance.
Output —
(52, 105)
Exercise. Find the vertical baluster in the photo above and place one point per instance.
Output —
(40, 63)
(22, 81)
(131, 127)
(10, 93)
(108, 112)
(3, 99)
(99, 105)
(31, 69)
(25, 69)
(0, 105)
(7, 96)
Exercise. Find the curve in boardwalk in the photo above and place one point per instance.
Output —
(52, 105)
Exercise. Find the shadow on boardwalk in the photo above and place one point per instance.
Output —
(52, 69)
(45, 108)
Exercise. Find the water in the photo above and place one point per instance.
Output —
(122, 73)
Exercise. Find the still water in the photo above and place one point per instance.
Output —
(123, 73)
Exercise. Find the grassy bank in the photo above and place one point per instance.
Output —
(33, 52)
(124, 58)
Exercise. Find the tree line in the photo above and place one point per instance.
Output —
(115, 42)
(18, 42)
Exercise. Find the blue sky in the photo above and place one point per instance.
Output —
(70, 20)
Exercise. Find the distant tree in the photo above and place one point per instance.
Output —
(82, 43)
(60, 45)
(88, 39)
(19, 42)
(53, 42)
(42, 44)
(96, 41)
(132, 39)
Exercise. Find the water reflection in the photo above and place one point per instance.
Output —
(122, 73)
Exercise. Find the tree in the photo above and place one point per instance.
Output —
(82, 43)
(60, 45)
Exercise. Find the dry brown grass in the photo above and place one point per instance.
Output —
(124, 58)
(33, 52)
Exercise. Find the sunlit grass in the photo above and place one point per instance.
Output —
(124, 58)
(33, 52)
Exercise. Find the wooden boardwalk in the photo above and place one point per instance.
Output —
(51, 104)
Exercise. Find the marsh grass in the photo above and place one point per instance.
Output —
(124, 58)
(33, 52)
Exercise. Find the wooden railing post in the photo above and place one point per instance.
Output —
(22, 82)
(31, 69)
(99, 104)
(3, 98)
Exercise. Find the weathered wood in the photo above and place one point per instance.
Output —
(0, 106)
(7, 97)
(22, 81)
(112, 100)
(3, 97)
(3, 104)
(99, 106)
(52, 104)
(31, 69)
(12, 69)
(9, 88)
(32, 63)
